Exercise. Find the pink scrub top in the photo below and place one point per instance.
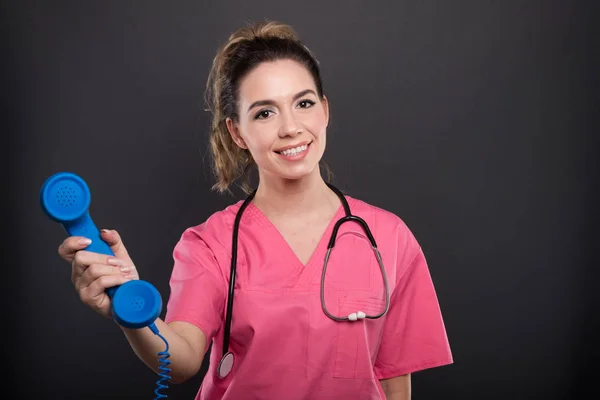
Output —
(285, 347)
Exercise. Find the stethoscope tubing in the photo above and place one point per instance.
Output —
(227, 360)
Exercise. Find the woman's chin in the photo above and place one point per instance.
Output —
(295, 174)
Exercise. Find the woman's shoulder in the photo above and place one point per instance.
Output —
(388, 229)
(216, 229)
(375, 215)
(385, 224)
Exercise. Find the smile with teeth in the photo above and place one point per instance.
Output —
(295, 151)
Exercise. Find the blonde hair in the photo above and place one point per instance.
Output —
(244, 50)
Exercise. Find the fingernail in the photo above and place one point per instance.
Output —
(115, 261)
(85, 241)
(105, 230)
(125, 270)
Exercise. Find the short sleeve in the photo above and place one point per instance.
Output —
(414, 336)
(198, 289)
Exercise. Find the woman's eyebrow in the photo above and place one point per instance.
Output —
(259, 103)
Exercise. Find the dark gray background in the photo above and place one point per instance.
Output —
(472, 120)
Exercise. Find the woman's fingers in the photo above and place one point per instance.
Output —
(113, 239)
(92, 273)
(95, 272)
(92, 285)
(71, 245)
(83, 259)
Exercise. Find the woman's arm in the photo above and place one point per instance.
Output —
(397, 388)
(187, 345)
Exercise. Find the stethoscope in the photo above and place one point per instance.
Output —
(226, 364)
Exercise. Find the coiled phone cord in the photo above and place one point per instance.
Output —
(163, 367)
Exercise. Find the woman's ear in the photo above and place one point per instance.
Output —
(234, 131)
(326, 109)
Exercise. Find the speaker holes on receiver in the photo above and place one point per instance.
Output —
(137, 303)
(66, 196)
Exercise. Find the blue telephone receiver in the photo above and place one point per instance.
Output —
(65, 198)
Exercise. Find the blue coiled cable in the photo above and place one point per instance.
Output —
(163, 367)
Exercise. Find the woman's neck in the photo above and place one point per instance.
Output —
(295, 198)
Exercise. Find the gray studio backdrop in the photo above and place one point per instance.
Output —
(466, 118)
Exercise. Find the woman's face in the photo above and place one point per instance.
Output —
(282, 120)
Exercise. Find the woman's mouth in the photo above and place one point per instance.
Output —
(295, 153)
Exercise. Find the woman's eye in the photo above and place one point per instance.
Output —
(306, 103)
(262, 114)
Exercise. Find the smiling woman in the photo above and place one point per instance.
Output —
(264, 80)
(284, 120)
(309, 322)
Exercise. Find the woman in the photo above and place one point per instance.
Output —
(270, 112)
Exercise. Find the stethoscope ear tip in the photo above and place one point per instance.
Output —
(356, 316)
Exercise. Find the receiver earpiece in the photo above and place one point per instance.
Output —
(65, 198)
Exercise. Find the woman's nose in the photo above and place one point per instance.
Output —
(289, 125)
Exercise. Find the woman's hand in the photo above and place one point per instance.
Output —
(92, 273)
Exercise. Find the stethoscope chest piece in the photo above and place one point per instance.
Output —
(226, 365)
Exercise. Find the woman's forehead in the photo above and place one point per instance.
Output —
(275, 80)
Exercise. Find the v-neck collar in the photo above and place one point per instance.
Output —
(317, 257)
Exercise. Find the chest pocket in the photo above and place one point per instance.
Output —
(358, 341)
(354, 273)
